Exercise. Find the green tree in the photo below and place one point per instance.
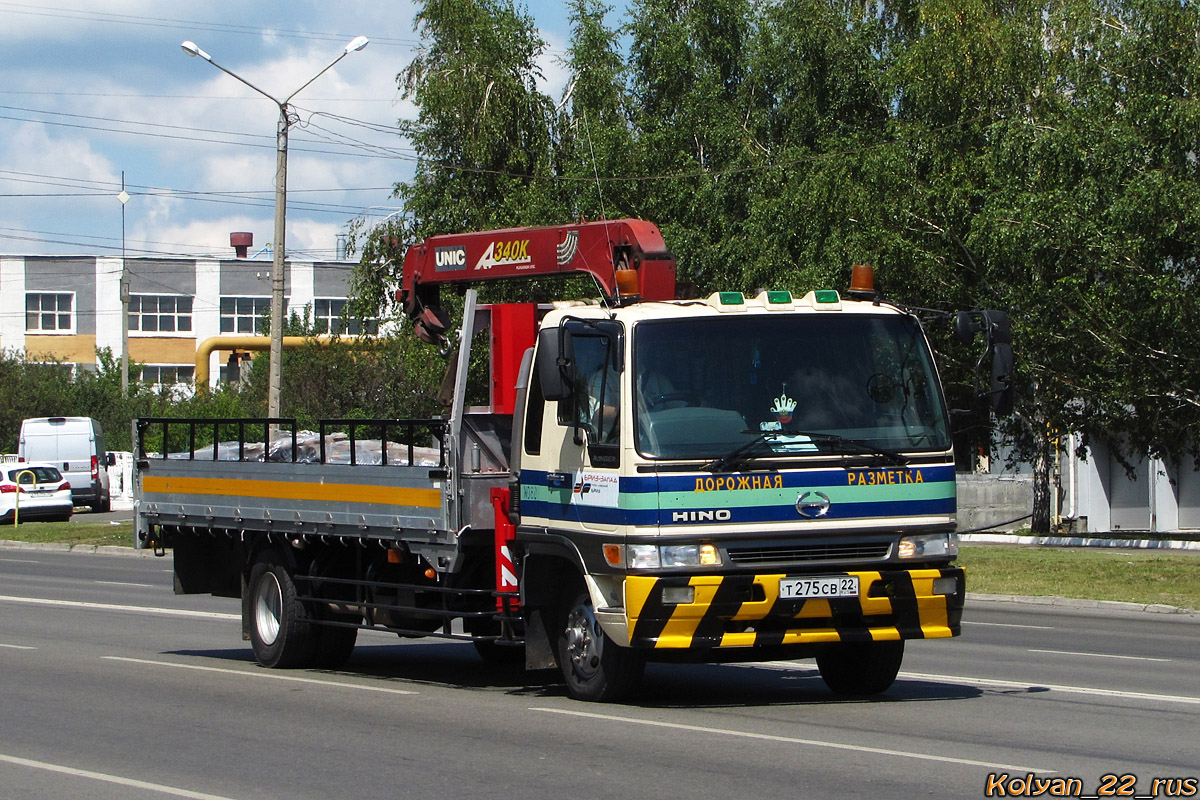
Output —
(1051, 149)
(687, 74)
(594, 144)
(482, 134)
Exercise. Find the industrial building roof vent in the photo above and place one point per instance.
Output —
(241, 243)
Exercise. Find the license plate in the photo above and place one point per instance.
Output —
(837, 586)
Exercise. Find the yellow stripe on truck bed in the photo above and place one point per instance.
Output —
(288, 490)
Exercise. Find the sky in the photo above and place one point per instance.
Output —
(92, 90)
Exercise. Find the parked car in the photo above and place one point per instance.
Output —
(34, 491)
(75, 446)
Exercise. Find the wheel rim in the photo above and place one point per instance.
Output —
(584, 641)
(268, 608)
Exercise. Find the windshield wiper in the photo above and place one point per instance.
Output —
(742, 453)
(858, 445)
(724, 463)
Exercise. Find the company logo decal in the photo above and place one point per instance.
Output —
(505, 254)
(709, 515)
(812, 504)
(595, 488)
(446, 259)
(567, 249)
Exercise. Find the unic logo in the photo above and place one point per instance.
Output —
(449, 258)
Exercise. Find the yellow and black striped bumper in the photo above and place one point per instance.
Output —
(746, 611)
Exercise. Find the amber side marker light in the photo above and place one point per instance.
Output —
(862, 282)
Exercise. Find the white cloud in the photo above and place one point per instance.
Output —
(178, 123)
(68, 19)
(35, 150)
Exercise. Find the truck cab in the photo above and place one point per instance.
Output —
(742, 472)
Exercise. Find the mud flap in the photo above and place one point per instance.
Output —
(539, 649)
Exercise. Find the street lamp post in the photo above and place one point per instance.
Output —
(286, 120)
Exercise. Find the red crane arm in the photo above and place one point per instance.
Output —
(598, 248)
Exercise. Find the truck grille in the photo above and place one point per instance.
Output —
(859, 551)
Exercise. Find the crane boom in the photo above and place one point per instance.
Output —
(626, 256)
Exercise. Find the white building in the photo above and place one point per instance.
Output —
(65, 307)
(1098, 495)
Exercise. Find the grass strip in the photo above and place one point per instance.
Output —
(1131, 576)
(72, 533)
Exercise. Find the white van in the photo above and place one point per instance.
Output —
(75, 445)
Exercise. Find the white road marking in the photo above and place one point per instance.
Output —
(1009, 625)
(126, 583)
(166, 612)
(268, 675)
(106, 778)
(17, 647)
(962, 680)
(1086, 690)
(1097, 655)
(792, 740)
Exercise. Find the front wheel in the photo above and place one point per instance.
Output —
(280, 632)
(860, 668)
(595, 667)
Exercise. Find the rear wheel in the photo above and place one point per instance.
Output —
(594, 666)
(280, 631)
(860, 668)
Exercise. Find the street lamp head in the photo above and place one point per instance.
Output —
(356, 44)
(192, 49)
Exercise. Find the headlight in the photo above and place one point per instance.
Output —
(680, 555)
(642, 556)
(651, 556)
(932, 545)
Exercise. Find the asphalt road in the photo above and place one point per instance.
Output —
(113, 687)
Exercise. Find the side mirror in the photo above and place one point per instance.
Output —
(998, 332)
(966, 325)
(999, 339)
(110, 460)
(1002, 380)
(556, 363)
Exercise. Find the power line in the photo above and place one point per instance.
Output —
(164, 22)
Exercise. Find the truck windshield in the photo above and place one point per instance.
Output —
(857, 383)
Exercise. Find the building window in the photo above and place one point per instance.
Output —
(167, 376)
(329, 316)
(49, 313)
(241, 314)
(152, 313)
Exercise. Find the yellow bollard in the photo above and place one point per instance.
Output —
(17, 500)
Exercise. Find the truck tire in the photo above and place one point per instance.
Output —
(280, 632)
(860, 668)
(595, 668)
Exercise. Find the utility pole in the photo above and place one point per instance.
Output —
(124, 198)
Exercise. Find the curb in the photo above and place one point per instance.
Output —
(63, 547)
(1078, 541)
(1085, 605)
